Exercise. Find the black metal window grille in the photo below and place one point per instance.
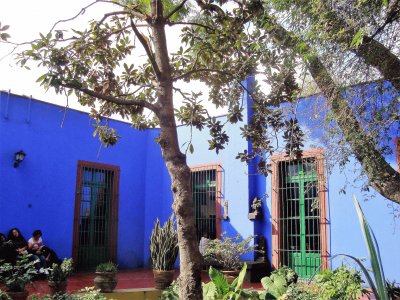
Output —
(207, 195)
(299, 217)
(96, 197)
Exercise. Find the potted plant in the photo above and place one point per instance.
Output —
(4, 296)
(256, 209)
(58, 275)
(16, 277)
(106, 279)
(225, 254)
(163, 252)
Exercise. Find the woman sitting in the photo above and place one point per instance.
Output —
(18, 241)
(35, 246)
(7, 252)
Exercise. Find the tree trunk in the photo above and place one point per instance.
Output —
(190, 257)
(175, 160)
(382, 177)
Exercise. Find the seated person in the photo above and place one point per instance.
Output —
(46, 255)
(18, 241)
(7, 252)
(35, 245)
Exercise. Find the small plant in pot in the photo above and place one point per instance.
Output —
(225, 254)
(58, 276)
(16, 277)
(106, 279)
(163, 252)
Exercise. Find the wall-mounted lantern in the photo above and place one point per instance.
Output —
(19, 157)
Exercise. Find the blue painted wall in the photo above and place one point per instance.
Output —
(40, 193)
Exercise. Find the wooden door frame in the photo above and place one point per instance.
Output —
(219, 194)
(319, 155)
(113, 212)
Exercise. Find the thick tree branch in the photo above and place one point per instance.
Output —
(373, 52)
(112, 99)
(146, 45)
(170, 23)
(382, 177)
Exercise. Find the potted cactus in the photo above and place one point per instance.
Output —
(163, 252)
(106, 279)
(16, 277)
(58, 276)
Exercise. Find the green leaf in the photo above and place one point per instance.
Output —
(239, 280)
(357, 39)
(209, 291)
(219, 280)
(373, 250)
(191, 148)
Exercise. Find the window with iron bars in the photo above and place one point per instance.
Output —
(206, 182)
(299, 212)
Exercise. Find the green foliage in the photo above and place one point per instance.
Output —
(341, 283)
(60, 273)
(164, 245)
(378, 286)
(219, 288)
(171, 292)
(4, 35)
(227, 251)
(88, 293)
(287, 273)
(393, 289)
(108, 267)
(301, 292)
(4, 296)
(15, 278)
(275, 287)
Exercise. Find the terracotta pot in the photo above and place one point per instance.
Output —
(230, 275)
(18, 295)
(105, 281)
(163, 279)
(58, 287)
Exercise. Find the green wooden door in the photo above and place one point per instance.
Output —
(95, 213)
(300, 218)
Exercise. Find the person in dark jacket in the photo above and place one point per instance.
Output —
(7, 252)
(18, 241)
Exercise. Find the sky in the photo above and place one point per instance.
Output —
(29, 18)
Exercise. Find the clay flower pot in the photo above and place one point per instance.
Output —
(105, 281)
(18, 295)
(163, 279)
(58, 287)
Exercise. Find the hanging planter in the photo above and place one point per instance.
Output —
(256, 207)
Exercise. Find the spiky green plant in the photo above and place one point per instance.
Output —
(164, 245)
(378, 284)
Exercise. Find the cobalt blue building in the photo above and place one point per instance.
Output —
(96, 205)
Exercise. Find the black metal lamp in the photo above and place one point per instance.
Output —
(19, 157)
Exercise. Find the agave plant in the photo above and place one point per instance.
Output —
(164, 245)
(378, 282)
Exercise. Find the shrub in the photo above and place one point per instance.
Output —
(60, 273)
(107, 267)
(227, 251)
(15, 278)
(341, 283)
(164, 245)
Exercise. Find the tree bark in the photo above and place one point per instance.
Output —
(190, 257)
(382, 177)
